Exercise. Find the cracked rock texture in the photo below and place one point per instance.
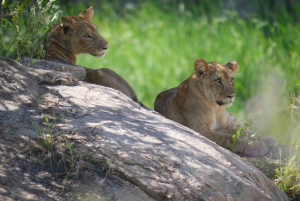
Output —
(123, 151)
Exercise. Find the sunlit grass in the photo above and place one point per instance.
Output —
(155, 51)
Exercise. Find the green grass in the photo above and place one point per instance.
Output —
(154, 50)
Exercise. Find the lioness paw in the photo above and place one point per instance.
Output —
(66, 79)
(269, 142)
(258, 149)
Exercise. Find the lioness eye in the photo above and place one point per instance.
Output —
(231, 80)
(218, 81)
(87, 36)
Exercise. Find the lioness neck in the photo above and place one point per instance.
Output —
(197, 93)
(188, 95)
(58, 51)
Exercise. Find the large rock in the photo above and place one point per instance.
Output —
(88, 142)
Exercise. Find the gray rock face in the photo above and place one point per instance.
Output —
(144, 155)
(77, 72)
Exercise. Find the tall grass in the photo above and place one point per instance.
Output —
(288, 176)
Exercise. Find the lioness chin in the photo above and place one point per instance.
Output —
(200, 103)
(78, 35)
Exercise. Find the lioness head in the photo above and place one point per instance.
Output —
(76, 35)
(216, 81)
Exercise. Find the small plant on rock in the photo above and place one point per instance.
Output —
(46, 134)
(245, 132)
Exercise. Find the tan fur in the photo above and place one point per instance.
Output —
(78, 35)
(200, 101)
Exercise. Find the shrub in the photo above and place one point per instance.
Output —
(24, 24)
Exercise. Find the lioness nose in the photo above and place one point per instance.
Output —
(230, 96)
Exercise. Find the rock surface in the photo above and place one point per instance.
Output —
(77, 72)
(88, 142)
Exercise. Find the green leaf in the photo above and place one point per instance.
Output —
(55, 17)
(46, 119)
(4, 3)
(5, 23)
(55, 8)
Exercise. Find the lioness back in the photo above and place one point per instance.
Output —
(162, 98)
(167, 105)
(109, 78)
(200, 101)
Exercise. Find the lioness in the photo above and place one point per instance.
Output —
(78, 35)
(200, 101)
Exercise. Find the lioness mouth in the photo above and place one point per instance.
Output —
(99, 54)
(219, 103)
(227, 104)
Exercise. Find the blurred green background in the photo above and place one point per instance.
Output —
(153, 45)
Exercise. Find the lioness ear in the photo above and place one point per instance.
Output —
(88, 14)
(67, 28)
(233, 66)
(201, 67)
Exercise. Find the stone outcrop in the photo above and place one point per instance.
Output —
(88, 142)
